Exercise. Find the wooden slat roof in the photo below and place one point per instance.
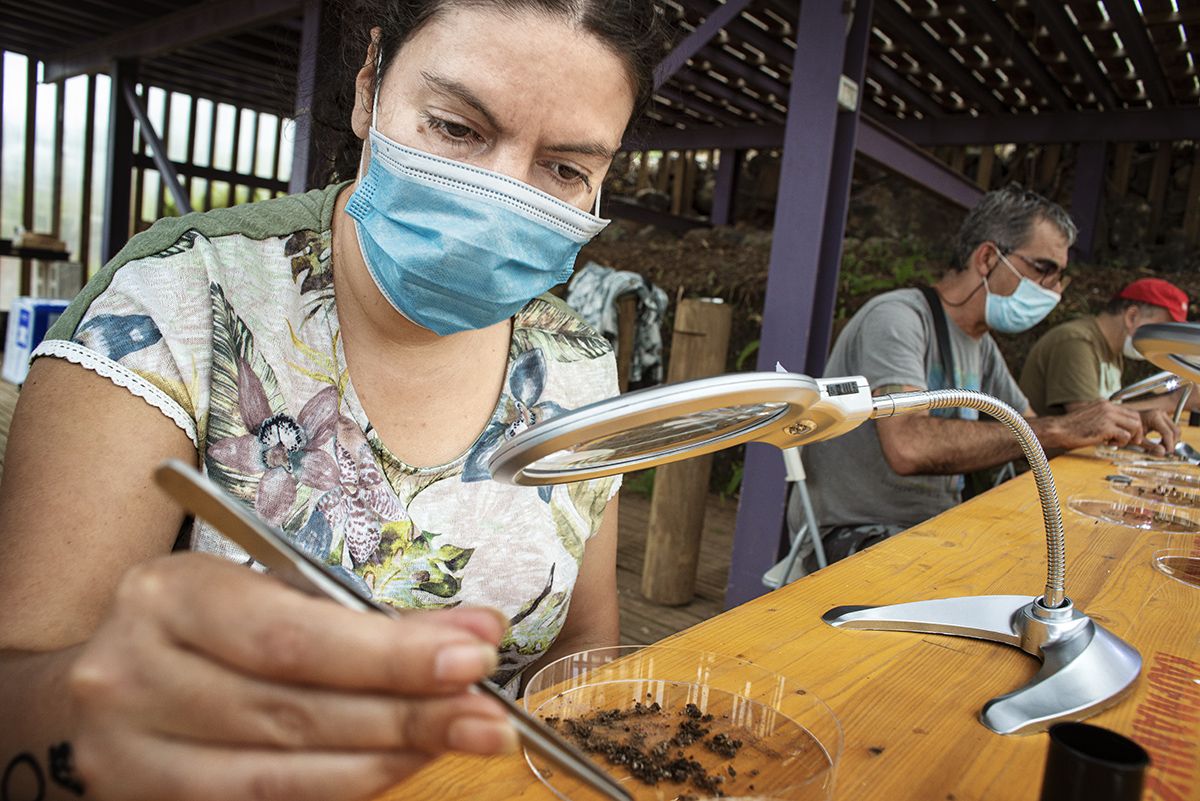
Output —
(927, 59)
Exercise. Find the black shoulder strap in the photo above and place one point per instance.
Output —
(942, 333)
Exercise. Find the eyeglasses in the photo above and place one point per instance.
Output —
(1051, 272)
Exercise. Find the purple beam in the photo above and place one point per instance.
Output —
(728, 167)
(1002, 32)
(897, 84)
(701, 137)
(1128, 20)
(303, 157)
(1066, 35)
(894, 153)
(698, 38)
(1132, 125)
(902, 27)
(837, 202)
(1087, 196)
(740, 31)
(800, 207)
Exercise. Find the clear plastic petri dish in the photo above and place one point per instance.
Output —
(671, 723)
(1128, 456)
(1176, 474)
(1134, 514)
(1159, 492)
(1181, 564)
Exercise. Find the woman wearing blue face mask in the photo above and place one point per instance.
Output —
(344, 362)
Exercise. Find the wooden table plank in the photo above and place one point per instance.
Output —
(908, 703)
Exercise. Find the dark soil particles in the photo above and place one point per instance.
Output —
(655, 745)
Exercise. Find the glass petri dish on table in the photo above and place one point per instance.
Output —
(1136, 514)
(1131, 455)
(1158, 492)
(1181, 564)
(672, 723)
(1176, 474)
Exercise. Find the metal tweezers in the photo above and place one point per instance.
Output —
(202, 498)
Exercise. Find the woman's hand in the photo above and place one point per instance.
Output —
(208, 680)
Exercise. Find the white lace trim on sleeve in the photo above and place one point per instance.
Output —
(121, 376)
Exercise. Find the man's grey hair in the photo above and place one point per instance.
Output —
(1006, 216)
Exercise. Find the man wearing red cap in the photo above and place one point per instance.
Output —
(1081, 361)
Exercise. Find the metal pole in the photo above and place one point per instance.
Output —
(117, 184)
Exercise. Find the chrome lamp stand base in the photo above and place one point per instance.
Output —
(1085, 668)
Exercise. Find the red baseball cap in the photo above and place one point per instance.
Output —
(1158, 292)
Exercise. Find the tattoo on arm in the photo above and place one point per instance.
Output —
(24, 780)
(62, 767)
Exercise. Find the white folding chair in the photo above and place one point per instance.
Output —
(782, 573)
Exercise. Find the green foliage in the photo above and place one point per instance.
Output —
(746, 352)
(878, 265)
(640, 483)
(734, 484)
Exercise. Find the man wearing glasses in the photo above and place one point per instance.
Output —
(888, 475)
(1082, 360)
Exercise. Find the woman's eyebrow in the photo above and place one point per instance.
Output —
(448, 86)
(585, 149)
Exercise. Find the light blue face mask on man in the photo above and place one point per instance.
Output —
(1023, 309)
(454, 247)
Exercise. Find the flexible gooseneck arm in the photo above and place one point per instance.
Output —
(916, 402)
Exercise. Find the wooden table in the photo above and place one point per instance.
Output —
(909, 702)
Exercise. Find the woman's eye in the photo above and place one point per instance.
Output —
(455, 132)
(569, 175)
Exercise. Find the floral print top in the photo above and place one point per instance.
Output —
(225, 321)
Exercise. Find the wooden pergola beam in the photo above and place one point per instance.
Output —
(188, 26)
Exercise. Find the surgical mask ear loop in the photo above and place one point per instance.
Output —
(596, 207)
(362, 156)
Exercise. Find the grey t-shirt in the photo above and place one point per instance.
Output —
(891, 341)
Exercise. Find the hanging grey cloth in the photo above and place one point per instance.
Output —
(593, 292)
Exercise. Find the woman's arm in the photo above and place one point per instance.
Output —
(185, 676)
(594, 620)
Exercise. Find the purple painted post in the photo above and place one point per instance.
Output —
(1087, 196)
(303, 157)
(728, 167)
(837, 201)
(792, 279)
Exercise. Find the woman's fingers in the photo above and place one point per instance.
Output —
(149, 769)
(224, 707)
(256, 625)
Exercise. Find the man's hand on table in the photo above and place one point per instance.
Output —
(208, 680)
(1096, 423)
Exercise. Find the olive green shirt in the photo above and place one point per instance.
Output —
(1071, 363)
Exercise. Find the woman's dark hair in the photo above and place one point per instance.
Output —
(632, 29)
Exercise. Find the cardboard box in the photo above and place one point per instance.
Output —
(28, 321)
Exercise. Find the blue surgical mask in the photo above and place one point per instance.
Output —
(454, 247)
(1023, 309)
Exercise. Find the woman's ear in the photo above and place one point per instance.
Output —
(364, 88)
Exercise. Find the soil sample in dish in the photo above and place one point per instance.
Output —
(683, 742)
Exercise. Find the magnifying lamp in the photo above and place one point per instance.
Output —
(1085, 668)
(1175, 347)
(1161, 384)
